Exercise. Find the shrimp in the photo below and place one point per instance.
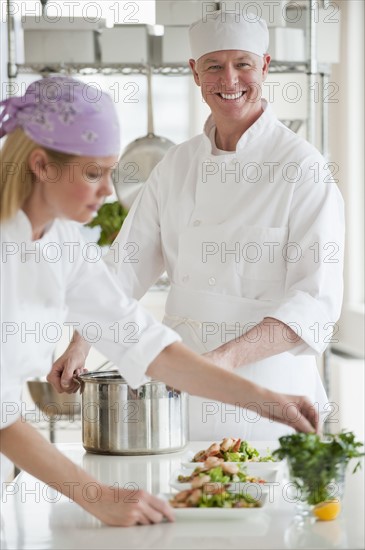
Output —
(226, 444)
(214, 488)
(182, 496)
(212, 462)
(194, 497)
(230, 468)
(213, 450)
(200, 456)
(198, 482)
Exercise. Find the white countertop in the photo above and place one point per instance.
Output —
(37, 517)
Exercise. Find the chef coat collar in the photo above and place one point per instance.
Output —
(257, 130)
(23, 230)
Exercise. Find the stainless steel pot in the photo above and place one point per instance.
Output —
(140, 157)
(119, 420)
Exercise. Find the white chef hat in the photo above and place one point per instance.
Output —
(222, 30)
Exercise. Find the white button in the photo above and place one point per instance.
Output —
(185, 279)
(212, 281)
(197, 223)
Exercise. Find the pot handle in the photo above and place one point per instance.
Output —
(76, 378)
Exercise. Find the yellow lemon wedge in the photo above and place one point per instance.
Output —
(326, 511)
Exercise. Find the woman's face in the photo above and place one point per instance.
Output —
(77, 189)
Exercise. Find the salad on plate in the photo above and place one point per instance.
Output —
(213, 495)
(231, 449)
(215, 470)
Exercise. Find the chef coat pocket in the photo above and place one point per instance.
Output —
(262, 254)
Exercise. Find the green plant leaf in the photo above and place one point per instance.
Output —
(110, 218)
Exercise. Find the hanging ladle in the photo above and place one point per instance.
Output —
(140, 157)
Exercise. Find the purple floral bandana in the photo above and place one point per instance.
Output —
(66, 115)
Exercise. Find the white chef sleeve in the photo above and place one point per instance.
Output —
(314, 255)
(118, 326)
(11, 403)
(136, 254)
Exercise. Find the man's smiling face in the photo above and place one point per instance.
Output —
(231, 82)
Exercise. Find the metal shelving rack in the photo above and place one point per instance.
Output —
(311, 68)
(133, 68)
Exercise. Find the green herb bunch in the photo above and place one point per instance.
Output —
(315, 463)
(109, 218)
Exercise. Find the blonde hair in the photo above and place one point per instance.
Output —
(17, 179)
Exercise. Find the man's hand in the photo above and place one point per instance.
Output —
(275, 337)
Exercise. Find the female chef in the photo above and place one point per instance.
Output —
(63, 142)
(248, 223)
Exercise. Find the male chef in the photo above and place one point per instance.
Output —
(249, 225)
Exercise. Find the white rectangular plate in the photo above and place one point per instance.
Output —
(253, 468)
(217, 513)
(270, 476)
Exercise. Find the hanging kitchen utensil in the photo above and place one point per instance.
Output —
(52, 403)
(44, 3)
(140, 157)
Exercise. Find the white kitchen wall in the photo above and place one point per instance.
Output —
(347, 392)
(346, 134)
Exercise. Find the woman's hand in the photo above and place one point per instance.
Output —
(70, 364)
(180, 368)
(296, 411)
(125, 508)
(111, 505)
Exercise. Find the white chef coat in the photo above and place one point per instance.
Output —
(56, 280)
(253, 234)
